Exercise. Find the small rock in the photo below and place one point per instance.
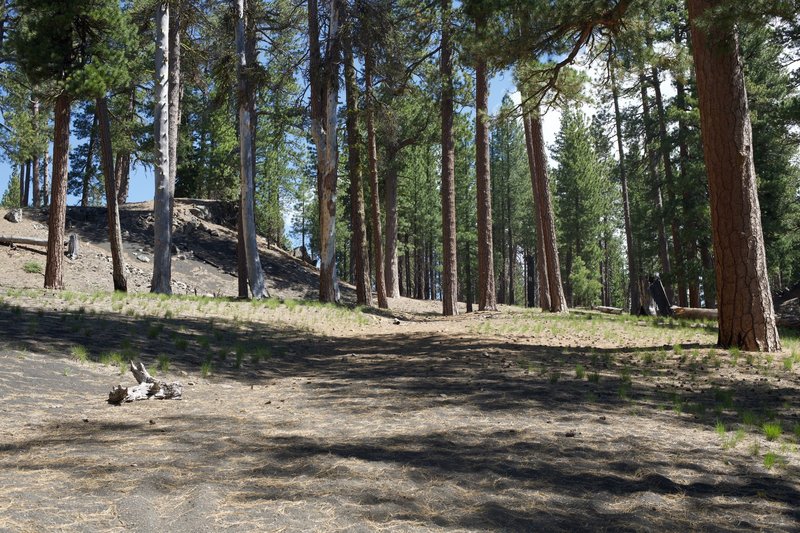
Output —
(569, 434)
(15, 216)
(37, 226)
(152, 421)
(397, 322)
(143, 258)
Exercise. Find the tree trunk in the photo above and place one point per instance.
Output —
(541, 256)
(37, 200)
(174, 90)
(241, 256)
(555, 288)
(375, 204)
(487, 298)
(679, 265)
(691, 221)
(652, 164)
(390, 252)
(746, 315)
(324, 75)
(162, 201)
(112, 209)
(123, 163)
(255, 274)
(45, 180)
(530, 280)
(357, 216)
(37, 194)
(448, 188)
(633, 272)
(26, 200)
(87, 173)
(53, 272)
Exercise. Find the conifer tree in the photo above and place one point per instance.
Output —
(79, 48)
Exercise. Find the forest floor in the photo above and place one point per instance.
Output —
(298, 416)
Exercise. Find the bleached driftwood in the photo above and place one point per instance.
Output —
(608, 310)
(147, 388)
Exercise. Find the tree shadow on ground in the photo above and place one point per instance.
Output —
(475, 472)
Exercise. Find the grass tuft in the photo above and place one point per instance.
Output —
(772, 430)
(79, 353)
(32, 267)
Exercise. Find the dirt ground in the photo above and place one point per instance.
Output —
(303, 417)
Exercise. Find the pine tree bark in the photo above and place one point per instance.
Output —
(541, 257)
(652, 167)
(551, 289)
(633, 272)
(375, 204)
(746, 315)
(357, 215)
(448, 188)
(53, 272)
(679, 264)
(390, 251)
(122, 166)
(691, 222)
(324, 93)
(45, 180)
(174, 90)
(487, 297)
(162, 201)
(27, 181)
(87, 173)
(35, 161)
(112, 209)
(255, 274)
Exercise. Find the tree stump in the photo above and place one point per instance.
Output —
(72, 247)
(147, 388)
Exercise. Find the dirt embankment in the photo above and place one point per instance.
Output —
(204, 252)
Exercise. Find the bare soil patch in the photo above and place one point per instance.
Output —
(301, 417)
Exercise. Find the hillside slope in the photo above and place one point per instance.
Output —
(204, 253)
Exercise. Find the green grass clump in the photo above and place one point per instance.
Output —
(80, 353)
(770, 460)
(163, 363)
(554, 377)
(154, 330)
(678, 349)
(580, 372)
(594, 377)
(749, 418)
(182, 344)
(772, 430)
(205, 368)
(720, 429)
(32, 267)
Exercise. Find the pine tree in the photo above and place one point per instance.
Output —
(47, 40)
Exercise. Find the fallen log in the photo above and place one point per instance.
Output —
(711, 314)
(72, 242)
(695, 313)
(608, 310)
(147, 388)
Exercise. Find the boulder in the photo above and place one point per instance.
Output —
(15, 216)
